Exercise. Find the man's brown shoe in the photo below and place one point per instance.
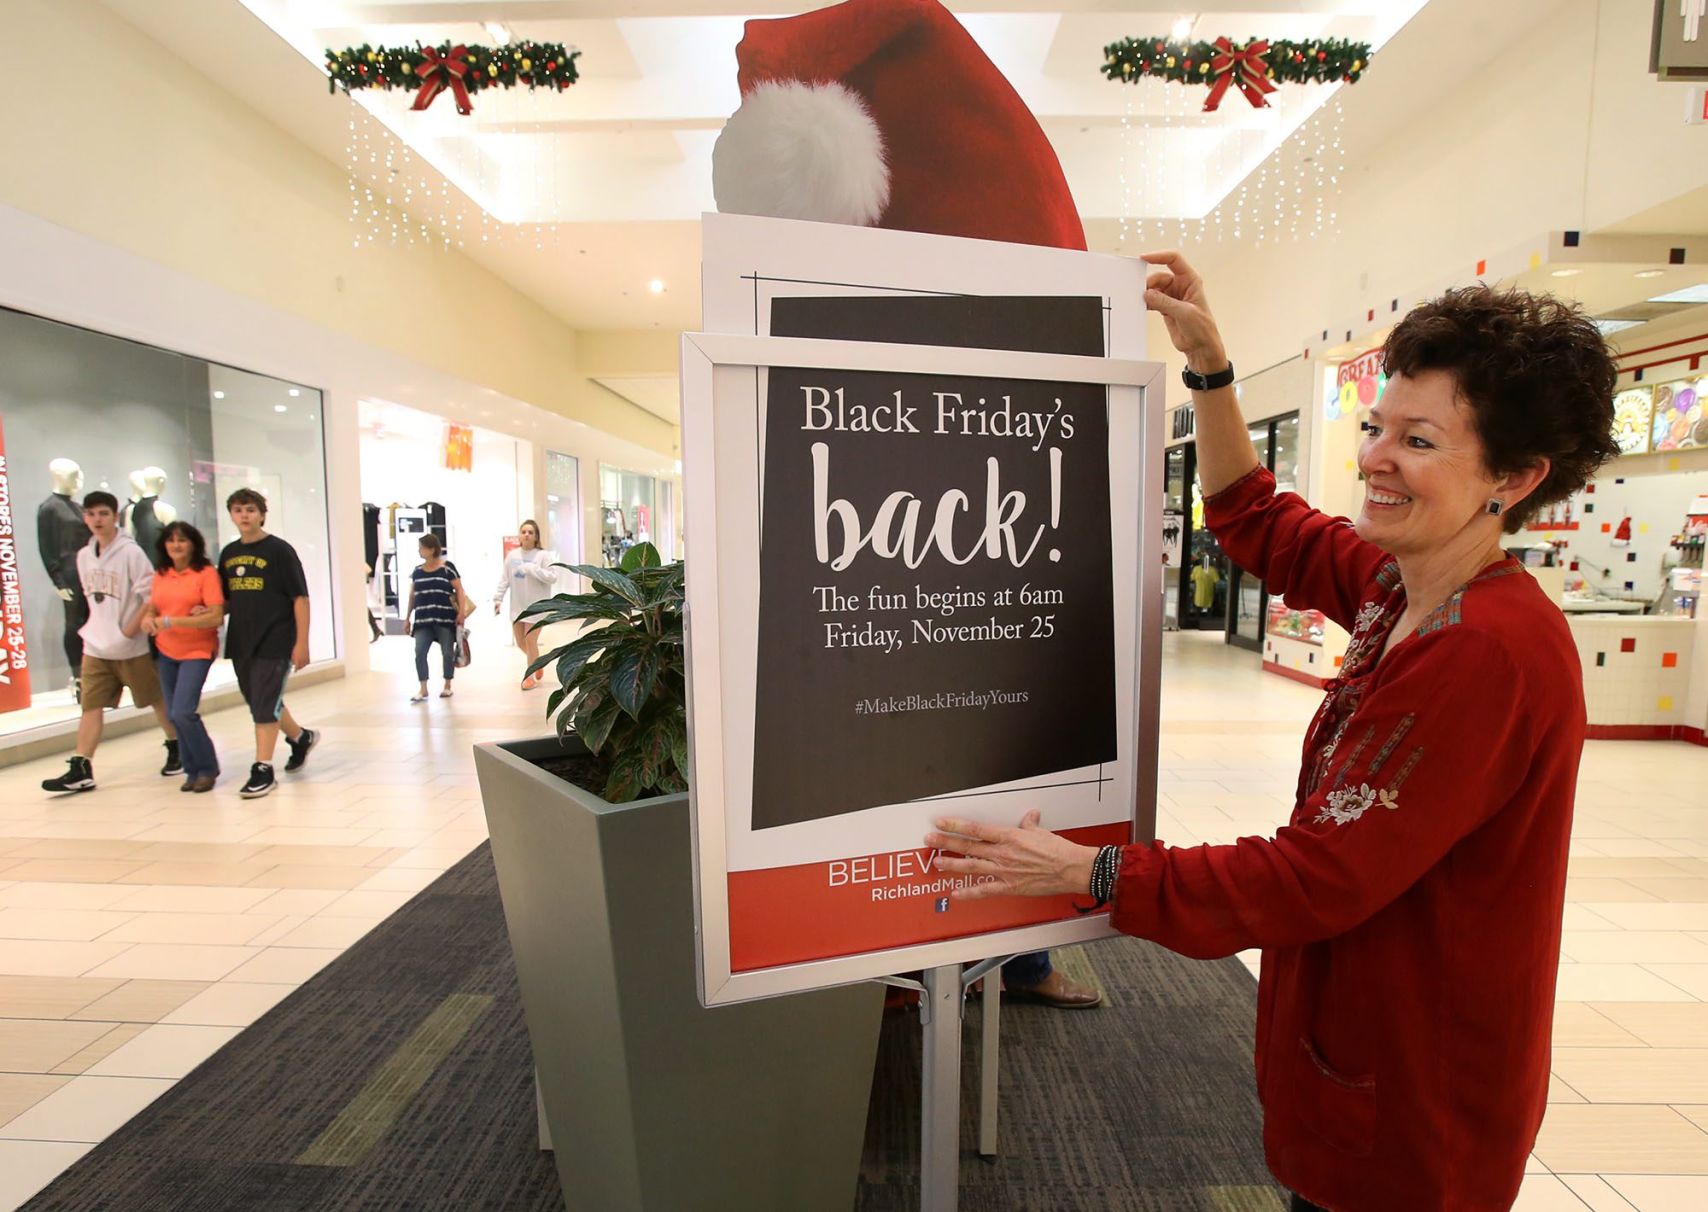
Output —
(204, 782)
(1058, 991)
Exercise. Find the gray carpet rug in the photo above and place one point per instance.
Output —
(400, 1078)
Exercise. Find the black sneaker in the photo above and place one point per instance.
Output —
(174, 765)
(261, 781)
(79, 776)
(307, 739)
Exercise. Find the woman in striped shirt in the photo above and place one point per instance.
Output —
(436, 607)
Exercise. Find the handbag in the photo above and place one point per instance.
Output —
(464, 656)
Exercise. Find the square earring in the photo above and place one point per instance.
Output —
(1496, 507)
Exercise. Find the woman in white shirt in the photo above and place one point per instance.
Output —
(528, 577)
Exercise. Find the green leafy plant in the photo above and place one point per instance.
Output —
(622, 682)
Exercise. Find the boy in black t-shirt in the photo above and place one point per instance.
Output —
(266, 633)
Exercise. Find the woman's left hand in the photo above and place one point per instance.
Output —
(1025, 861)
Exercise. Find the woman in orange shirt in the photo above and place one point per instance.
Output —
(185, 609)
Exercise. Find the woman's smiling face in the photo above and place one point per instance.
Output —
(1425, 479)
(179, 549)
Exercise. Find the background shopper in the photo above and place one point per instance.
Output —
(267, 601)
(116, 578)
(437, 607)
(1410, 910)
(185, 608)
(530, 574)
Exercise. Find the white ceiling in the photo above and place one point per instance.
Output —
(632, 140)
(618, 167)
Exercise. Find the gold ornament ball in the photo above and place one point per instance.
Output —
(1202, 68)
(527, 65)
(1171, 61)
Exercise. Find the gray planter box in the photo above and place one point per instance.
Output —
(652, 1101)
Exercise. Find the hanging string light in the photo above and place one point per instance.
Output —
(397, 197)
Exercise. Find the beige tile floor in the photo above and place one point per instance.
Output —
(141, 929)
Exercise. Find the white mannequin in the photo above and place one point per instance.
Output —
(67, 477)
(148, 482)
(154, 483)
(67, 482)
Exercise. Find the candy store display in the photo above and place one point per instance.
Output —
(1633, 419)
(1679, 423)
(1305, 625)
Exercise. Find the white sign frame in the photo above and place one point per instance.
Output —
(1134, 388)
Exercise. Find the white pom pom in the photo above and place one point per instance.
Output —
(802, 151)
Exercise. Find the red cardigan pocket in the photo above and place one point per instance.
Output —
(1340, 1109)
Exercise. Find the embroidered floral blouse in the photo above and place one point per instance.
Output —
(1409, 911)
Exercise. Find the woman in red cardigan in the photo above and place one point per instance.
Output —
(1409, 912)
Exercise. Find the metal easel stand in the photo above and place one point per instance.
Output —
(942, 996)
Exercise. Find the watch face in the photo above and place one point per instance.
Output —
(98, 596)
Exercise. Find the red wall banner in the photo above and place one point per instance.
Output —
(459, 447)
(14, 656)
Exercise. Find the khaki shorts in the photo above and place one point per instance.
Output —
(103, 680)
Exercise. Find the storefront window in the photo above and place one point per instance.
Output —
(1285, 460)
(563, 506)
(170, 436)
(628, 512)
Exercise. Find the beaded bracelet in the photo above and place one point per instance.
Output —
(1104, 870)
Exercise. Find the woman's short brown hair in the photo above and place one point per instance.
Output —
(1536, 374)
(432, 542)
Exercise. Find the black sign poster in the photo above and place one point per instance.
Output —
(936, 607)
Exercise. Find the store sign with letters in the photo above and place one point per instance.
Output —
(14, 653)
(926, 580)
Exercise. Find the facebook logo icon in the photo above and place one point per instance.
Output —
(942, 904)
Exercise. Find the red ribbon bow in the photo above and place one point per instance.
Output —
(441, 71)
(1245, 68)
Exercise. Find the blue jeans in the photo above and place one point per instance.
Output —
(442, 634)
(1024, 971)
(181, 686)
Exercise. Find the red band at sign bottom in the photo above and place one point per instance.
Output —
(789, 915)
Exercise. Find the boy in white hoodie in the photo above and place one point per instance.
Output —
(116, 577)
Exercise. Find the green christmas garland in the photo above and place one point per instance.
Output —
(1319, 61)
(463, 69)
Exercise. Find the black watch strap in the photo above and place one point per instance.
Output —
(1198, 382)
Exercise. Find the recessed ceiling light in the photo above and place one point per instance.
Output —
(219, 395)
(655, 286)
(1182, 28)
(1567, 273)
(1650, 273)
(293, 393)
(498, 32)
(279, 408)
(1690, 294)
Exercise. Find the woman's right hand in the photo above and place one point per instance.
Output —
(495, 608)
(1175, 292)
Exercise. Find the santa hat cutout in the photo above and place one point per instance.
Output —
(887, 113)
